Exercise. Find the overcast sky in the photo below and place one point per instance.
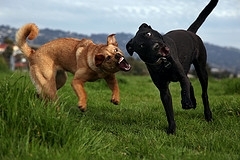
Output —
(113, 16)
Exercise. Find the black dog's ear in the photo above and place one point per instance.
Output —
(144, 25)
(129, 47)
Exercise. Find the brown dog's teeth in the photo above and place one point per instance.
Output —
(120, 60)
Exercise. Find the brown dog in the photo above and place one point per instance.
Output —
(86, 60)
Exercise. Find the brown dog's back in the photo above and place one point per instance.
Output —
(62, 52)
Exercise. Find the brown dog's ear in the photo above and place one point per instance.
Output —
(112, 40)
(99, 58)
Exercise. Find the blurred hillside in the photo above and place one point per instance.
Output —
(222, 58)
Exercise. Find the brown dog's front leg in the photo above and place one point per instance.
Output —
(113, 85)
(78, 87)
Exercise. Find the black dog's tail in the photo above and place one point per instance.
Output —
(202, 16)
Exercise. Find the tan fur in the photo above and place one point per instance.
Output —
(86, 60)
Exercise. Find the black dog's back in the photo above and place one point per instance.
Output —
(187, 45)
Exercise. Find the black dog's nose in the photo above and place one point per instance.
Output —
(156, 46)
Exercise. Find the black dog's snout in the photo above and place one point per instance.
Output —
(156, 47)
(118, 56)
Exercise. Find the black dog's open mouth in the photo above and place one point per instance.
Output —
(164, 51)
(124, 65)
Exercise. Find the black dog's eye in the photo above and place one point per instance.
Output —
(141, 46)
(148, 34)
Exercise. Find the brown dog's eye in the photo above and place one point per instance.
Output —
(108, 58)
(115, 50)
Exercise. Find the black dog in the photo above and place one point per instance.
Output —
(169, 57)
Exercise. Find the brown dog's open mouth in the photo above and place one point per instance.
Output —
(124, 65)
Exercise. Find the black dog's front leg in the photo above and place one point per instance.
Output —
(186, 89)
(166, 99)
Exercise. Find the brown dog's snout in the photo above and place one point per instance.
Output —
(118, 56)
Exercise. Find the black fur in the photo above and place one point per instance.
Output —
(168, 59)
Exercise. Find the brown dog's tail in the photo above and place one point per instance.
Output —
(28, 31)
(202, 16)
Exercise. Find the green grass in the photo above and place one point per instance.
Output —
(135, 129)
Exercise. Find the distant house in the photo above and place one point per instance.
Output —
(3, 47)
(17, 59)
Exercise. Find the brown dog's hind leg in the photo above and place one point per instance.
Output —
(61, 78)
(48, 90)
(45, 84)
(113, 85)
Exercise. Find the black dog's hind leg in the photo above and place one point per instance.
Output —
(192, 96)
(203, 78)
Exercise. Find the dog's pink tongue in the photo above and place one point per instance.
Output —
(124, 65)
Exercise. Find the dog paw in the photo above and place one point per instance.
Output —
(171, 129)
(82, 109)
(114, 101)
(208, 116)
(187, 104)
(194, 103)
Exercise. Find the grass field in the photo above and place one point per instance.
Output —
(135, 129)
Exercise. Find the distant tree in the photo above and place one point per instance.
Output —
(7, 40)
(9, 50)
(3, 65)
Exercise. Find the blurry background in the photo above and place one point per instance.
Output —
(110, 16)
(96, 19)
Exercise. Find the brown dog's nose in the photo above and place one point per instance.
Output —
(118, 56)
